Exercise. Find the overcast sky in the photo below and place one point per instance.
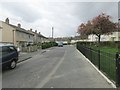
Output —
(65, 17)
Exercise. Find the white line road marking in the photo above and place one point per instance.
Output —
(44, 81)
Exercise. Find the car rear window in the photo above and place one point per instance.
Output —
(11, 48)
(0, 51)
(5, 50)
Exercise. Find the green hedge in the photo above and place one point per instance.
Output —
(48, 44)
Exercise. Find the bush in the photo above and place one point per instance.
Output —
(48, 44)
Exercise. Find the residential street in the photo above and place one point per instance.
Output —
(58, 67)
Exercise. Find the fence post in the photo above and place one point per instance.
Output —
(99, 59)
(77, 45)
(90, 54)
(117, 70)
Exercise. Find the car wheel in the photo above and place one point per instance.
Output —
(13, 64)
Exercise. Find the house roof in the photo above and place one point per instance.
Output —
(21, 29)
(26, 31)
(40, 35)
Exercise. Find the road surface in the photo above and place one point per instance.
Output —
(58, 67)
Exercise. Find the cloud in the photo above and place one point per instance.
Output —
(87, 10)
(22, 10)
(65, 17)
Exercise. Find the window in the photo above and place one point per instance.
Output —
(29, 36)
(5, 50)
(11, 49)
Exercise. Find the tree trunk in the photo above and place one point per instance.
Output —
(99, 36)
(99, 39)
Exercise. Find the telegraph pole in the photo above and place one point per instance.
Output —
(52, 31)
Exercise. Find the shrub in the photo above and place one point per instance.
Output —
(48, 44)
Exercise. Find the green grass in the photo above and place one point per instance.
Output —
(107, 64)
(107, 59)
(106, 49)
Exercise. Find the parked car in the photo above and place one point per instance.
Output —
(8, 56)
(60, 44)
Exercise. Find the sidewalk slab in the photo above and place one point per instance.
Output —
(24, 56)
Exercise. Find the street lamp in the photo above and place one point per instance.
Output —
(118, 46)
(52, 31)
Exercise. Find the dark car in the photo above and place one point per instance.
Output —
(8, 56)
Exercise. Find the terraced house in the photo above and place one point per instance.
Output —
(114, 36)
(38, 37)
(17, 35)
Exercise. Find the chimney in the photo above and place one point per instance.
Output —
(31, 29)
(19, 25)
(7, 20)
(39, 33)
(35, 31)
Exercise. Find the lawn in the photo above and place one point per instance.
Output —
(107, 59)
(107, 64)
(106, 49)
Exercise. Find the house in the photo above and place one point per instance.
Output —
(20, 37)
(16, 35)
(38, 37)
(114, 36)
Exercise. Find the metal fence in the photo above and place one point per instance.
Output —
(105, 62)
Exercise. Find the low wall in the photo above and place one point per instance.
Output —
(29, 48)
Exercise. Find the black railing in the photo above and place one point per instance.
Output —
(117, 69)
(105, 62)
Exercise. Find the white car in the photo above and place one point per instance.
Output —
(60, 44)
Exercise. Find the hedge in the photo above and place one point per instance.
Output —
(48, 44)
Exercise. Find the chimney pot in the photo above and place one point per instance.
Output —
(19, 25)
(7, 20)
(35, 31)
(30, 29)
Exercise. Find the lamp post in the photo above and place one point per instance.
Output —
(52, 32)
(118, 35)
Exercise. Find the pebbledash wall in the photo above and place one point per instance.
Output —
(114, 36)
(7, 34)
(20, 37)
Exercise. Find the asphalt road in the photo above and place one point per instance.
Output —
(59, 67)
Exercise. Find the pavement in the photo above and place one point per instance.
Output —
(58, 67)
(27, 55)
